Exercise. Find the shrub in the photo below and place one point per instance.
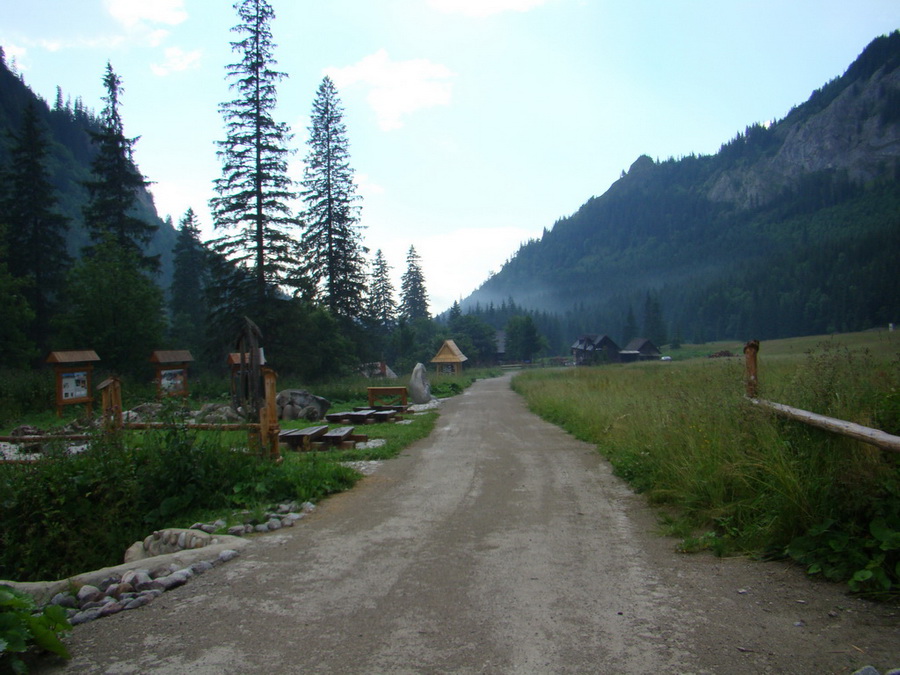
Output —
(22, 626)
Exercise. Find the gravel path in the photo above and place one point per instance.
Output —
(497, 545)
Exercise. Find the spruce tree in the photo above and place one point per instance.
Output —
(113, 192)
(413, 297)
(332, 240)
(254, 191)
(36, 231)
(187, 300)
(382, 308)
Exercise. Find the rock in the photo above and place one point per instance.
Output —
(218, 413)
(85, 616)
(298, 403)
(228, 554)
(88, 593)
(110, 609)
(419, 388)
(64, 600)
(236, 530)
(201, 567)
(273, 524)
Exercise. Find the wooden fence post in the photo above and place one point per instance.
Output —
(268, 416)
(111, 398)
(751, 349)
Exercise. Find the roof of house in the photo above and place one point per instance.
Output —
(594, 341)
(641, 345)
(449, 353)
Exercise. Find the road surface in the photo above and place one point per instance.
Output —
(499, 544)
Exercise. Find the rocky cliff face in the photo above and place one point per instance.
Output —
(857, 133)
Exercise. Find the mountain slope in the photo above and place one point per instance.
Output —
(791, 228)
(71, 152)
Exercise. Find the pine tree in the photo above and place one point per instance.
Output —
(382, 308)
(36, 231)
(413, 297)
(114, 189)
(113, 308)
(187, 300)
(254, 191)
(332, 241)
(17, 348)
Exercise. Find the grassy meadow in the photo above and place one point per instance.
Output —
(731, 477)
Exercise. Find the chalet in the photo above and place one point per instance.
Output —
(449, 359)
(594, 348)
(639, 349)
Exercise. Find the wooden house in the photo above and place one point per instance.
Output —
(594, 348)
(449, 359)
(640, 349)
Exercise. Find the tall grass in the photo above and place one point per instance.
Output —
(735, 477)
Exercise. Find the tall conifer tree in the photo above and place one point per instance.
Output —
(254, 191)
(413, 297)
(332, 241)
(113, 191)
(382, 308)
(36, 241)
(187, 299)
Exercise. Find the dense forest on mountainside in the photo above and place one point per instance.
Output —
(792, 228)
(68, 125)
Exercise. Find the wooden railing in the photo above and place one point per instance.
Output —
(858, 432)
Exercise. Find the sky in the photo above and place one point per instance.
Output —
(473, 124)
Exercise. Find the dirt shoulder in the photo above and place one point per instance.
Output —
(499, 544)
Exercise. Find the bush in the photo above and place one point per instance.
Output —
(23, 626)
(69, 513)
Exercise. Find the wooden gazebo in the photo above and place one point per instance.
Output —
(449, 359)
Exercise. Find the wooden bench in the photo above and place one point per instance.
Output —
(302, 439)
(364, 416)
(342, 437)
(384, 415)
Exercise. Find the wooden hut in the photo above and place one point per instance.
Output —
(593, 348)
(449, 359)
(640, 349)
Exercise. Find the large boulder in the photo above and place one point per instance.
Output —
(295, 404)
(419, 388)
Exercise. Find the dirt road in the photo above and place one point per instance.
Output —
(497, 545)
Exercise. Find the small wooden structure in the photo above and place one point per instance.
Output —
(384, 397)
(639, 349)
(449, 359)
(73, 378)
(242, 362)
(594, 348)
(171, 371)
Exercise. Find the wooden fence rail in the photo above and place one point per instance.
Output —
(858, 432)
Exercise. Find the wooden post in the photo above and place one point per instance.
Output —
(268, 415)
(111, 398)
(751, 349)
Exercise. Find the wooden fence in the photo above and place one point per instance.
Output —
(858, 432)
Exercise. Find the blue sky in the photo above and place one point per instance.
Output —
(473, 124)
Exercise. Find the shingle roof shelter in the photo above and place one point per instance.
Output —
(449, 358)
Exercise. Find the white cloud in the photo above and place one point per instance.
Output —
(397, 88)
(482, 8)
(176, 60)
(131, 13)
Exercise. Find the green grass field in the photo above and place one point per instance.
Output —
(733, 478)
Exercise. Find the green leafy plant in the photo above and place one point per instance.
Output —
(23, 625)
